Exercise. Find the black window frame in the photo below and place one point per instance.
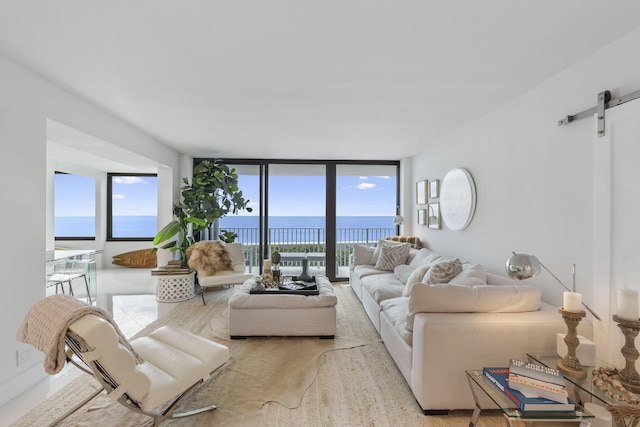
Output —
(110, 237)
(74, 238)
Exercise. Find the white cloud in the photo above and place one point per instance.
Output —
(365, 186)
(128, 180)
(383, 177)
(119, 196)
(364, 177)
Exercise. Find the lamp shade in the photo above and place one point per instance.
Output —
(522, 266)
(398, 220)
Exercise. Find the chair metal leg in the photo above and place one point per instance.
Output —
(75, 408)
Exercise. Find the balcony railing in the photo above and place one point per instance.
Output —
(300, 240)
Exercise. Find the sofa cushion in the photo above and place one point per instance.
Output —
(403, 272)
(383, 242)
(382, 287)
(472, 275)
(362, 254)
(392, 256)
(396, 309)
(361, 271)
(446, 298)
(443, 272)
(416, 277)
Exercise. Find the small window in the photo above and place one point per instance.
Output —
(74, 205)
(132, 206)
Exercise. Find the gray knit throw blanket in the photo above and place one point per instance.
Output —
(47, 322)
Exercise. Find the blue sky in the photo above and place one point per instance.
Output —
(305, 195)
(289, 195)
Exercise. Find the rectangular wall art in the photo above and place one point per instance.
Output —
(422, 216)
(421, 192)
(434, 216)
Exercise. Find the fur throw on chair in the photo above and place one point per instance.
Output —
(209, 258)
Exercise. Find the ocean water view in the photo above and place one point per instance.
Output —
(147, 226)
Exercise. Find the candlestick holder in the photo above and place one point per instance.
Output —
(570, 363)
(629, 376)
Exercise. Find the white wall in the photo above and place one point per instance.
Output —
(534, 179)
(27, 102)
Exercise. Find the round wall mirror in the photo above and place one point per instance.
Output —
(457, 199)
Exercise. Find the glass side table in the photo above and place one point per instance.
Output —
(477, 381)
(585, 391)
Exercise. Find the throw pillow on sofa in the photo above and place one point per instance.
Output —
(382, 243)
(402, 272)
(443, 272)
(362, 255)
(415, 278)
(392, 256)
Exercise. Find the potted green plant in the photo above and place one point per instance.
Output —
(212, 194)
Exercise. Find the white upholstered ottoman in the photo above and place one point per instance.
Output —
(283, 314)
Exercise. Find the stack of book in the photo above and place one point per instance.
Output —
(532, 387)
(172, 267)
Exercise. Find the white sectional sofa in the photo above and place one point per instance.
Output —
(434, 332)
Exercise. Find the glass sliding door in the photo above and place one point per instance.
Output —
(296, 217)
(312, 212)
(366, 200)
(245, 227)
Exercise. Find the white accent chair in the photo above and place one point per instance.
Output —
(170, 364)
(232, 277)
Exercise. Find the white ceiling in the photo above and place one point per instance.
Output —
(329, 79)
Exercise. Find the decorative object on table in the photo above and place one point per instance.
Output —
(421, 192)
(305, 276)
(628, 375)
(212, 194)
(570, 364)
(275, 266)
(457, 199)
(586, 350)
(538, 380)
(523, 266)
(434, 188)
(433, 219)
(258, 285)
(609, 381)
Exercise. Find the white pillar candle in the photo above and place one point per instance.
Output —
(572, 301)
(267, 265)
(628, 304)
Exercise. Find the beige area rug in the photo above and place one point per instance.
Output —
(349, 381)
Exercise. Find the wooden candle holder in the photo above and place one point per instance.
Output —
(570, 364)
(629, 376)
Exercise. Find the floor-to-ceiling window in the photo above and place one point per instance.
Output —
(366, 202)
(313, 209)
